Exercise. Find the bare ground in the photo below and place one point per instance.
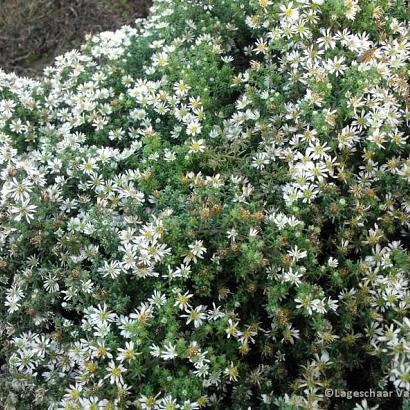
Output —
(34, 32)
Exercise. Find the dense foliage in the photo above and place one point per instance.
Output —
(210, 210)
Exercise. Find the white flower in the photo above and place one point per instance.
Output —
(168, 403)
(155, 350)
(182, 301)
(194, 128)
(157, 299)
(100, 351)
(148, 402)
(100, 315)
(261, 46)
(253, 232)
(319, 305)
(232, 329)
(232, 372)
(196, 250)
(128, 353)
(92, 403)
(289, 334)
(295, 253)
(126, 325)
(400, 376)
(196, 315)
(169, 352)
(111, 269)
(169, 155)
(332, 304)
(189, 405)
(197, 146)
(181, 88)
(232, 234)
(260, 160)
(365, 406)
(19, 191)
(336, 65)
(292, 277)
(289, 12)
(51, 284)
(215, 313)
(114, 373)
(332, 262)
(23, 210)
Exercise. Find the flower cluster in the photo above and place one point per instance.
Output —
(210, 210)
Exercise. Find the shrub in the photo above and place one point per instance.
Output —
(210, 210)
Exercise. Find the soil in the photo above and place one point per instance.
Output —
(34, 32)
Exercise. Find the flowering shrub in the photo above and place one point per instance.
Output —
(210, 210)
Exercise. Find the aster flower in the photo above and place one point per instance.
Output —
(114, 373)
(24, 210)
(169, 352)
(196, 315)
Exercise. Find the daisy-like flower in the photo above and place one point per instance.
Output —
(182, 301)
(148, 402)
(127, 326)
(215, 313)
(73, 392)
(296, 254)
(309, 193)
(92, 403)
(196, 250)
(260, 160)
(290, 334)
(197, 315)
(332, 262)
(100, 351)
(293, 277)
(101, 314)
(197, 146)
(261, 46)
(364, 405)
(111, 269)
(181, 88)
(265, 3)
(157, 299)
(232, 329)
(114, 373)
(327, 41)
(193, 128)
(160, 59)
(24, 210)
(289, 12)
(169, 352)
(189, 405)
(319, 305)
(19, 191)
(155, 251)
(306, 303)
(317, 151)
(232, 372)
(232, 234)
(168, 403)
(128, 353)
(143, 313)
(336, 66)
(51, 284)
(308, 122)
(155, 350)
